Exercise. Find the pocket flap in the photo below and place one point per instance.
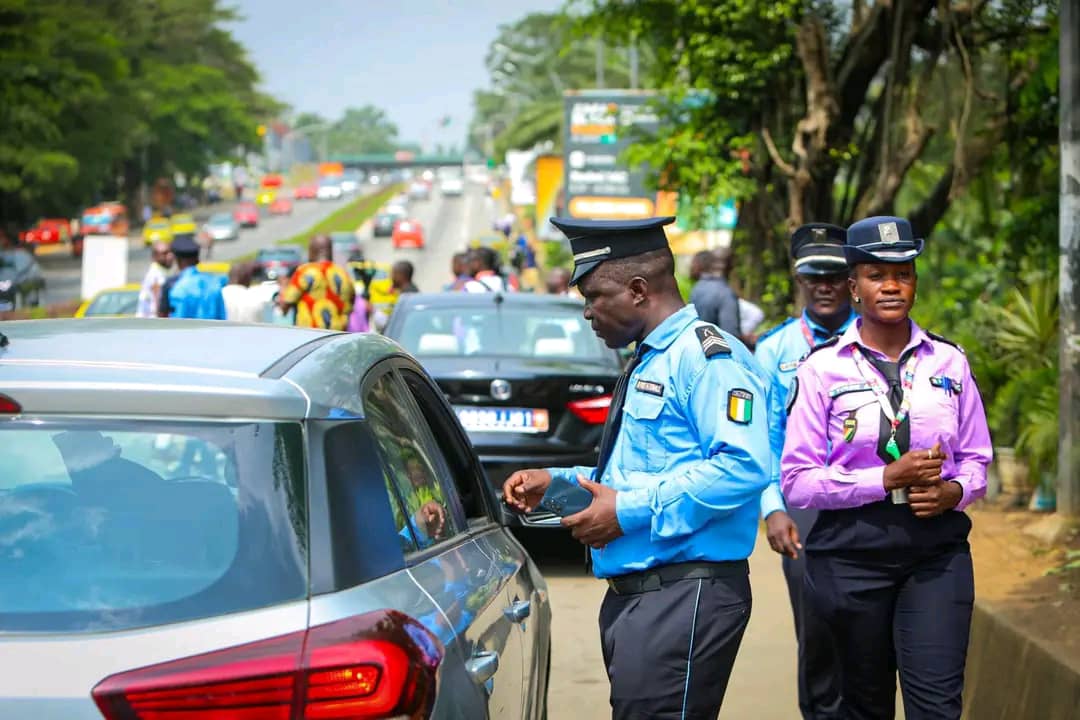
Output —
(642, 406)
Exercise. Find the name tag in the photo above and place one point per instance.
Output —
(785, 366)
(848, 388)
(650, 388)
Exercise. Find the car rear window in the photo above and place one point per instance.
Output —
(111, 303)
(540, 331)
(108, 525)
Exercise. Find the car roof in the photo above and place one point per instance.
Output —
(170, 367)
(469, 299)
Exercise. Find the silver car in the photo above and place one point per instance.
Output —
(221, 227)
(231, 521)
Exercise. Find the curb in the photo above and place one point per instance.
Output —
(1012, 676)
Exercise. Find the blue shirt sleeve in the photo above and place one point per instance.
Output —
(735, 466)
(772, 499)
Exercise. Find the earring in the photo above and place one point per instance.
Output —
(858, 300)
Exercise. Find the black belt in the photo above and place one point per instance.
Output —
(655, 578)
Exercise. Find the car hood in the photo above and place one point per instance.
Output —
(458, 368)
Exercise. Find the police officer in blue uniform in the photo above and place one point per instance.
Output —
(821, 274)
(671, 510)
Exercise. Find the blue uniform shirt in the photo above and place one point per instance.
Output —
(196, 295)
(692, 454)
(779, 352)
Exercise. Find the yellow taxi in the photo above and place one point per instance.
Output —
(221, 269)
(265, 196)
(119, 301)
(157, 229)
(183, 223)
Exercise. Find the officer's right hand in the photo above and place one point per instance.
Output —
(783, 534)
(524, 490)
(915, 467)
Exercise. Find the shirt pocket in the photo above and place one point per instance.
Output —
(854, 416)
(642, 425)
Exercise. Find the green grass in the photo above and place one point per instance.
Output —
(347, 219)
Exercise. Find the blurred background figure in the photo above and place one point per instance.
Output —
(161, 263)
(459, 268)
(401, 277)
(244, 303)
(321, 292)
(558, 281)
(483, 265)
(713, 298)
(190, 293)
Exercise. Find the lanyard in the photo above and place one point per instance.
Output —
(807, 333)
(907, 381)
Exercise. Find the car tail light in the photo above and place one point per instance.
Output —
(593, 411)
(378, 665)
(7, 405)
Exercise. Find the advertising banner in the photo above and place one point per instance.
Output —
(599, 125)
(549, 184)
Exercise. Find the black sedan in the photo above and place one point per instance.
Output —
(526, 376)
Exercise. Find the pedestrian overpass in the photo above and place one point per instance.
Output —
(383, 162)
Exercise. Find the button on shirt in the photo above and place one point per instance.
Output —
(779, 353)
(823, 469)
(688, 475)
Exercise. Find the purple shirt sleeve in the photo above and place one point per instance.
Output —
(972, 452)
(806, 476)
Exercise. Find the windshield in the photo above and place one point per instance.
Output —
(221, 219)
(96, 219)
(286, 255)
(112, 524)
(536, 331)
(114, 303)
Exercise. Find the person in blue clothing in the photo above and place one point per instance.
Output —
(821, 274)
(191, 293)
(670, 512)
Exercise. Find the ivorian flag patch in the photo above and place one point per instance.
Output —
(740, 406)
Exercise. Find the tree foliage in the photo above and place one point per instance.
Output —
(96, 97)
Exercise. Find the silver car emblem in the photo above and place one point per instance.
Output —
(500, 389)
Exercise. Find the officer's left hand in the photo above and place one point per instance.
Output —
(596, 525)
(783, 534)
(934, 499)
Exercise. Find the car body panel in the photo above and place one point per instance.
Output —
(130, 299)
(183, 224)
(281, 206)
(157, 230)
(265, 196)
(306, 192)
(221, 227)
(408, 234)
(47, 231)
(247, 214)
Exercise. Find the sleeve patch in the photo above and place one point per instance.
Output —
(712, 342)
(793, 392)
(740, 406)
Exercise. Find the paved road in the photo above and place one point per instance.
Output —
(449, 224)
(762, 685)
(63, 273)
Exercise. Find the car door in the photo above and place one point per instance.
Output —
(459, 573)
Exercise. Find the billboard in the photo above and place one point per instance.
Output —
(599, 125)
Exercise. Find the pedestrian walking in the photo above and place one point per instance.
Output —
(821, 275)
(244, 303)
(401, 277)
(161, 263)
(483, 265)
(459, 268)
(321, 292)
(190, 293)
(714, 299)
(670, 511)
(887, 439)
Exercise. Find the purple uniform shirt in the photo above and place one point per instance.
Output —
(828, 466)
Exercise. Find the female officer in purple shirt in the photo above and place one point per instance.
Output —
(887, 438)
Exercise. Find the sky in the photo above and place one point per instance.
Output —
(419, 60)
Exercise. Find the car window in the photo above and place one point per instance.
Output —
(539, 331)
(425, 512)
(114, 303)
(115, 524)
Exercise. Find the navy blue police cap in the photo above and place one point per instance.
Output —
(818, 249)
(882, 239)
(594, 241)
(184, 244)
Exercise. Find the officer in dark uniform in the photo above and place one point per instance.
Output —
(821, 274)
(887, 439)
(670, 511)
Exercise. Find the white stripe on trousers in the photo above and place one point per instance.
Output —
(690, 653)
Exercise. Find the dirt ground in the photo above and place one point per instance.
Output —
(1016, 573)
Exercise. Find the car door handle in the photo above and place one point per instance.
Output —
(482, 666)
(519, 610)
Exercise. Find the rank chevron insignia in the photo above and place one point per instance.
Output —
(712, 342)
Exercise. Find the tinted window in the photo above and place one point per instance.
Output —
(424, 513)
(117, 524)
(114, 303)
(530, 331)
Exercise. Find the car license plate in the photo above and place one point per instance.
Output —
(500, 419)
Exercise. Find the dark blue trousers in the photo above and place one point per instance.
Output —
(818, 664)
(895, 612)
(669, 652)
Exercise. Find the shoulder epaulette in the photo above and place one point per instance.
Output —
(943, 339)
(712, 342)
(828, 343)
(774, 330)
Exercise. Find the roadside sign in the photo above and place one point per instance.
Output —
(599, 125)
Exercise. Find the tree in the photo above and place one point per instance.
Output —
(821, 111)
(362, 130)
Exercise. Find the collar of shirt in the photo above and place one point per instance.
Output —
(851, 337)
(665, 333)
(823, 333)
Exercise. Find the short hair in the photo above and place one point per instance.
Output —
(405, 267)
(654, 265)
(487, 257)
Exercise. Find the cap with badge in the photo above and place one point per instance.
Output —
(818, 249)
(184, 244)
(882, 240)
(594, 241)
